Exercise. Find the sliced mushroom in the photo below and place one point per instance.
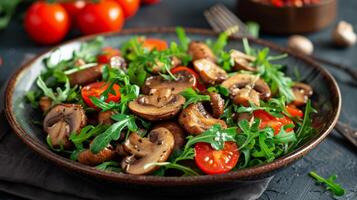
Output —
(302, 92)
(61, 121)
(156, 148)
(88, 158)
(176, 130)
(199, 50)
(209, 71)
(217, 104)
(156, 69)
(106, 117)
(159, 105)
(45, 103)
(242, 61)
(86, 76)
(247, 88)
(184, 80)
(195, 119)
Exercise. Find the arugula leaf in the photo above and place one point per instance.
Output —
(86, 133)
(192, 96)
(225, 60)
(275, 106)
(219, 89)
(330, 184)
(109, 166)
(113, 132)
(7, 9)
(216, 136)
(184, 40)
(60, 96)
(218, 46)
(31, 97)
(253, 29)
(89, 50)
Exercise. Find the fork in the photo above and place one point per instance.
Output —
(223, 20)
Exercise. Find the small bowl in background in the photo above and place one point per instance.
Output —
(288, 20)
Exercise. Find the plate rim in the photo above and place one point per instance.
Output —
(242, 174)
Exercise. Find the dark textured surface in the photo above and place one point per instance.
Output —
(334, 155)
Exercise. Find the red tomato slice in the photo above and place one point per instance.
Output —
(198, 85)
(276, 123)
(96, 89)
(108, 53)
(294, 112)
(212, 161)
(154, 43)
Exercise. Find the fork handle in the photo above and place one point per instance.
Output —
(349, 133)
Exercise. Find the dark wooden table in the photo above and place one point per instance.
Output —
(333, 156)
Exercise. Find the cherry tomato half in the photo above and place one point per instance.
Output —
(197, 84)
(96, 89)
(73, 8)
(294, 112)
(275, 123)
(130, 7)
(107, 54)
(154, 43)
(212, 161)
(46, 23)
(103, 16)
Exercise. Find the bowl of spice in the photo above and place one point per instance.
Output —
(288, 16)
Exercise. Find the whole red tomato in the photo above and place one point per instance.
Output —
(73, 8)
(103, 16)
(130, 7)
(46, 23)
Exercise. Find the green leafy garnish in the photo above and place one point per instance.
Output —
(330, 184)
(60, 95)
(192, 96)
(253, 29)
(109, 166)
(86, 132)
(184, 40)
(113, 132)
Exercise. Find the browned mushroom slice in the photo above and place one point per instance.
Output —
(160, 105)
(159, 66)
(246, 95)
(45, 103)
(246, 87)
(242, 61)
(61, 121)
(145, 151)
(88, 158)
(199, 50)
(176, 130)
(217, 104)
(209, 71)
(302, 92)
(195, 119)
(106, 117)
(85, 76)
(184, 80)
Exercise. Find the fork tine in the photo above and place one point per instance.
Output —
(219, 20)
(229, 15)
(212, 21)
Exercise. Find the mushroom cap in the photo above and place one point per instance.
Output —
(184, 80)
(302, 92)
(209, 71)
(195, 119)
(239, 81)
(176, 130)
(61, 121)
(300, 44)
(199, 50)
(246, 95)
(105, 117)
(242, 61)
(88, 158)
(160, 105)
(343, 34)
(156, 148)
